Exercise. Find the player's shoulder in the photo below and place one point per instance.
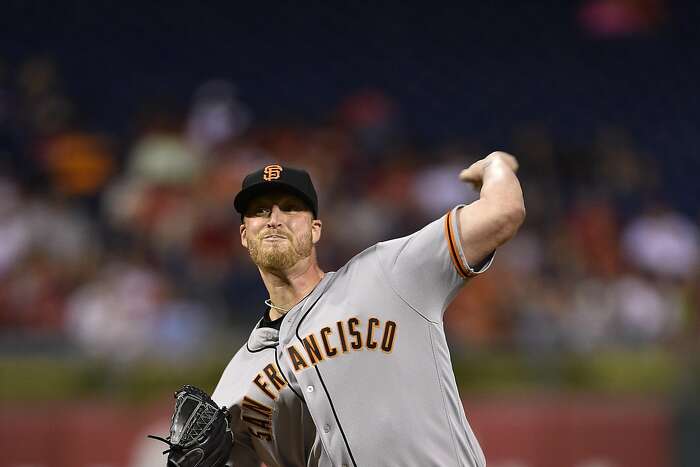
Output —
(359, 261)
(259, 339)
(255, 353)
(396, 243)
(422, 237)
(241, 358)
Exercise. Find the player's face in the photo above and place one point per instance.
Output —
(279, 230)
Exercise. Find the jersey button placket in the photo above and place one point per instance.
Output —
(310, 388)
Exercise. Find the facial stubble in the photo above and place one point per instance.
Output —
(280, 255)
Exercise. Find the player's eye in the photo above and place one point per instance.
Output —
(290, 206)
(261, 211)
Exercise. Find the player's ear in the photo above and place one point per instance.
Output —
(316, 227)
(244, 240)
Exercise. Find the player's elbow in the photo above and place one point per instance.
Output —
(517, 214)
(510, 218)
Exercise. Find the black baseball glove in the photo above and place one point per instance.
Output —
(200, 435)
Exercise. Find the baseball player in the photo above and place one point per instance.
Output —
(352, 368)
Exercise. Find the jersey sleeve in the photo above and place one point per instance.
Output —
(428, 267)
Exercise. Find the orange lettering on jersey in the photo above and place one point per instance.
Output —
(312, 349)
(389, 336)
(351, 338)
(330, 351)
(298, 361)
(341, 333)
(255, 406)
(352, 323)
(273, 375)
(272, 172)
(263, 386)
(264, 424)
(371, 324)
(251, 405)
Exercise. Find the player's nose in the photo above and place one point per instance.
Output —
(276, 216)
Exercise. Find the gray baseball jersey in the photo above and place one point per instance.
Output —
(268, 419)
(367, 354)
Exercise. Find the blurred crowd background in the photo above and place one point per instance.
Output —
(121, 152)
(125, 248)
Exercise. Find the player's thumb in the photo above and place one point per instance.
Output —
(468, 175)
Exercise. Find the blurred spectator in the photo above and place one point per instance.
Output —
(161, 158)
(32, 298)
(594, 233)
(15, 233)
(64, 234)
(481, 313)
(619, 18)
(646, 312)
(183, 327)
(539, 316)
(216, 116)
(437, 185)
(128, 311)
(372, 118)
(589, 322)
(114, 315)
(78, 164)
(45, 109)
(663, 242)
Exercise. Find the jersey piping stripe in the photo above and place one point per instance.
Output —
(247, 346)
(335, 415)
(289, 385)
(325, 389)
(454, 254)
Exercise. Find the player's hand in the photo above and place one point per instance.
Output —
(474, 174)
(200, 435)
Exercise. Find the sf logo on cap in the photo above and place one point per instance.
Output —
(272, 172)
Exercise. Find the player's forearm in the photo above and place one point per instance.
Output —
(495, 217)
(502, 193)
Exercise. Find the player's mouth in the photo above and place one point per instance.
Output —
(274, 238)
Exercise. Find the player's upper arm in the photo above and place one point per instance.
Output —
(227, 393)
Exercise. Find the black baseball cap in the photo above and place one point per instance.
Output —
(277, 177)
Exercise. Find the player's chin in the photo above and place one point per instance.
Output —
(277, 261)
(275, 248)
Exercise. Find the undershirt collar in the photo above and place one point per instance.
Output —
(266, 322)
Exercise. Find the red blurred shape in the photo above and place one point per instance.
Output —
(617, 18)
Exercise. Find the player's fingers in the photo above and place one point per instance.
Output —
(470, 176)
(467, 175)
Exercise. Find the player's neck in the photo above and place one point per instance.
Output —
(289, 287)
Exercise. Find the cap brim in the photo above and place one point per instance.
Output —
(244, 197)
